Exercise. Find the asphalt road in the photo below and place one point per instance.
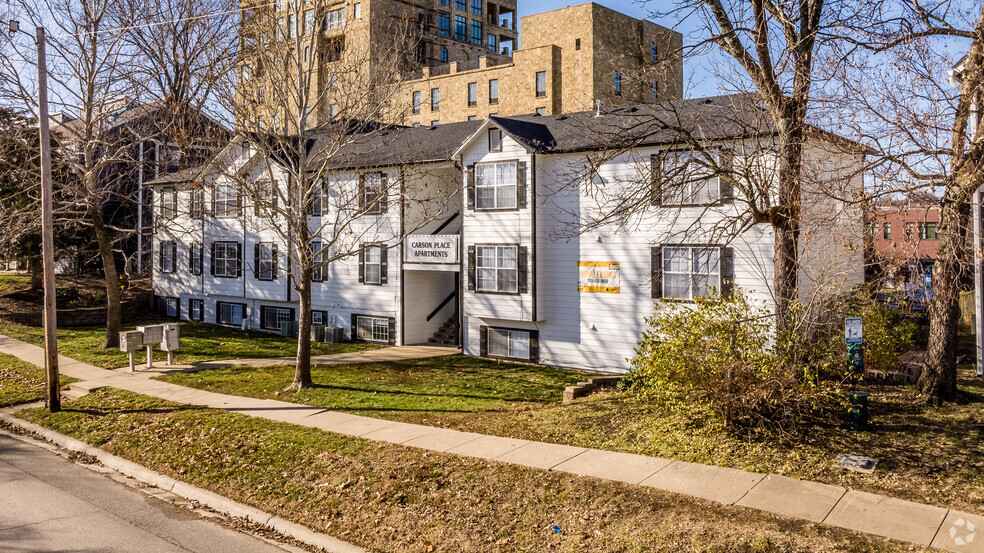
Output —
(50, 504)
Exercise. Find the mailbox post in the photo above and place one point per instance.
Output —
(171, 340)
(152, 334)
(130, 342)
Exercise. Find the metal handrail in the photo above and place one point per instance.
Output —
(440, 307)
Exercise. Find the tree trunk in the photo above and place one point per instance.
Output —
(786, 218)
(302, 369)
(114, 311)
(37, 272)
(938, 381)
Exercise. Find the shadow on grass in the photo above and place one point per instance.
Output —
(95, 412)
(378, 391)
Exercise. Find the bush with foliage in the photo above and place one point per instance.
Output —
(719, 352)
(722, 353)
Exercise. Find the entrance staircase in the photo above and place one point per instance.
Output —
(447, 335)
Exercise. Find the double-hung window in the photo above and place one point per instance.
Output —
(168, 256)
(653, 52)
(195, 261)
(690, 271)
(372, 264)
(495, 185)
(335, 19)
(197, 205)
(618, 83)
(226, 202)
(229, 313)
(476, 7)
(689, 178)
(265, 261)
(416, 101)
(541, 84)
(494, 91)
(928, 231)
(169, 203)
(495, 140)
(492, 42)
(497, 269)
(318, 275)
(372, 199)
(435, 99)
(308, 22)
(472, 94)
(225, 259)
(266, 198)
(509, 343)
(460, 5)
(196, 310)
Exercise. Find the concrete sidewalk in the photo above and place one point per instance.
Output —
(916, 523)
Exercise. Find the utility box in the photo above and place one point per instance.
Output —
(152, 334)
(334, 335)
(171, 338)
(131, 341)
(317, 333)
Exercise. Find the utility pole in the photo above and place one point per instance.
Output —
(47, 235)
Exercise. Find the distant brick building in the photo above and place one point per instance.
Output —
(902, 238)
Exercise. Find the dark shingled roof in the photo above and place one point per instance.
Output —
(713, 118)
(184, 175)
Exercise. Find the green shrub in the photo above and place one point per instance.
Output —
(719, 352)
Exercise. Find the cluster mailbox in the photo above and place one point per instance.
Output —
(167, 335)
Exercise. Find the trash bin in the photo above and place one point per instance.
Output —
(858, 411)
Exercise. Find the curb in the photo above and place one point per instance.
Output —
(187, 491)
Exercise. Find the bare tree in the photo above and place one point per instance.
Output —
(312, 107)
(776, 48)
(922, 124)
(88, 68)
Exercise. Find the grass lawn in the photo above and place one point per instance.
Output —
(410, 390)
(12, 281)
(926, 454)
(199, 342)
(22, 382)
(390, 498)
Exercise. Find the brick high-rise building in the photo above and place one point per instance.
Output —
(464, 59)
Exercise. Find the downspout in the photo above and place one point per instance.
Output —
(402, 242)
(533, 231)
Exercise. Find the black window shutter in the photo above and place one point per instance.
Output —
(201, 249)
(523, 266)
(470, 174)
(362, 264)
(725, 166)
(471, 268)
(211, 260)
(263, 319)
(218, 309)
(657, 175)
(534, 346)
(521, 185)
(160, 256)
(239, 260)
(392, 331)
(276, 262)
(256, 260)
(354, 333)
(657, 271)
(362, 192)
(483, 341)
(383, 192)
(383, 264)
(191, 258)
(174, 258)
(727, 272)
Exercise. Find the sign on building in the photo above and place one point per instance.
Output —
(599, 277)
(431, 248)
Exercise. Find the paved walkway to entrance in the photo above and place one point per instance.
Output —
(916, 523)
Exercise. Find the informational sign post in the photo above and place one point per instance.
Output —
(598, 277)
(853, 331)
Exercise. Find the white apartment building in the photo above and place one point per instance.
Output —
(552, 239)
